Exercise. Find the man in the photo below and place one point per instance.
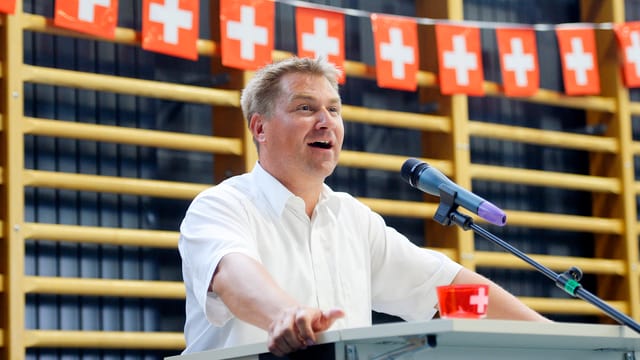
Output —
(275, 255)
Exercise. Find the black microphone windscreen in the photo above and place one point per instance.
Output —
(408, 170)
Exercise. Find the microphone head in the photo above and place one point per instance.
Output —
(492, 213)
(411, 169)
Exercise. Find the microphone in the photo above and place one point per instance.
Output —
(428, 179)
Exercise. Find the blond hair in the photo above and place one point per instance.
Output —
(263, 89)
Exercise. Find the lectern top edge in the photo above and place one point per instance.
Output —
(453, 333)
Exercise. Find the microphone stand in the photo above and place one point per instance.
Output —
(447, 214)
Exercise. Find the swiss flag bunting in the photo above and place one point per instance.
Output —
(247, 41)
(459, 60)
(171, 27)
(8, 6)
(246, 33)
(396, 47)
(95, 17)
(628, 36)
(579, 61)
(321, 34)
(518, 61)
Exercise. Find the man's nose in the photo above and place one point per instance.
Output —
(326, 119)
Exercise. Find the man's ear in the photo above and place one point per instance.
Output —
(256, 125)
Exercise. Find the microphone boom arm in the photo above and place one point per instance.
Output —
(569, 281)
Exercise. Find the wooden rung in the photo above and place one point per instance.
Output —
(556, 98)
(104, 339)
(101, 235)
(365, 160)
(412, 209)
(394, 163)
(546, 178)
(564, 222)
(543, 137)
(555, 263)
(103, 287)
(141, 137)
(401, 208)
(570, 306)
(112, 184)
(131, 86)
(396, 119)
(634, 107)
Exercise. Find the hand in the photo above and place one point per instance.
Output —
(295, 328)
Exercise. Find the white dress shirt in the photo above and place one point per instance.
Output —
(344, 257)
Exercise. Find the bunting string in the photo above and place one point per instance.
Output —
(492, 25)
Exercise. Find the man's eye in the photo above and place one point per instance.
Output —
(304, 107)
(334, 109)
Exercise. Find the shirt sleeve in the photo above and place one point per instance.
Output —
(215, 225)
(405, 276)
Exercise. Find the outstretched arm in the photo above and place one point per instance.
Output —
(502, 304)
(252, 295)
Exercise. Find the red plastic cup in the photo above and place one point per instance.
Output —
(469, 301)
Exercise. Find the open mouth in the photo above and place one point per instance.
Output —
(321, 144)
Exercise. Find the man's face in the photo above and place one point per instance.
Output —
(301, 139)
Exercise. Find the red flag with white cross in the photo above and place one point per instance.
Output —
(246, 33)
(396, 46)
(579, 61)
(171, 27)
(8, 6)
(628, 37)
(95, 17)
(459, 60)
(321, 34)
(519, 61)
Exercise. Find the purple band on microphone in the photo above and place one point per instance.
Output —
(492, 213)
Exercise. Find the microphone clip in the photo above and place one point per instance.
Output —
(569, 281)
(447, 213)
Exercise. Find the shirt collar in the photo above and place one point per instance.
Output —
(277, 195)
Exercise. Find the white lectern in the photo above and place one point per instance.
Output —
(458, 339)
